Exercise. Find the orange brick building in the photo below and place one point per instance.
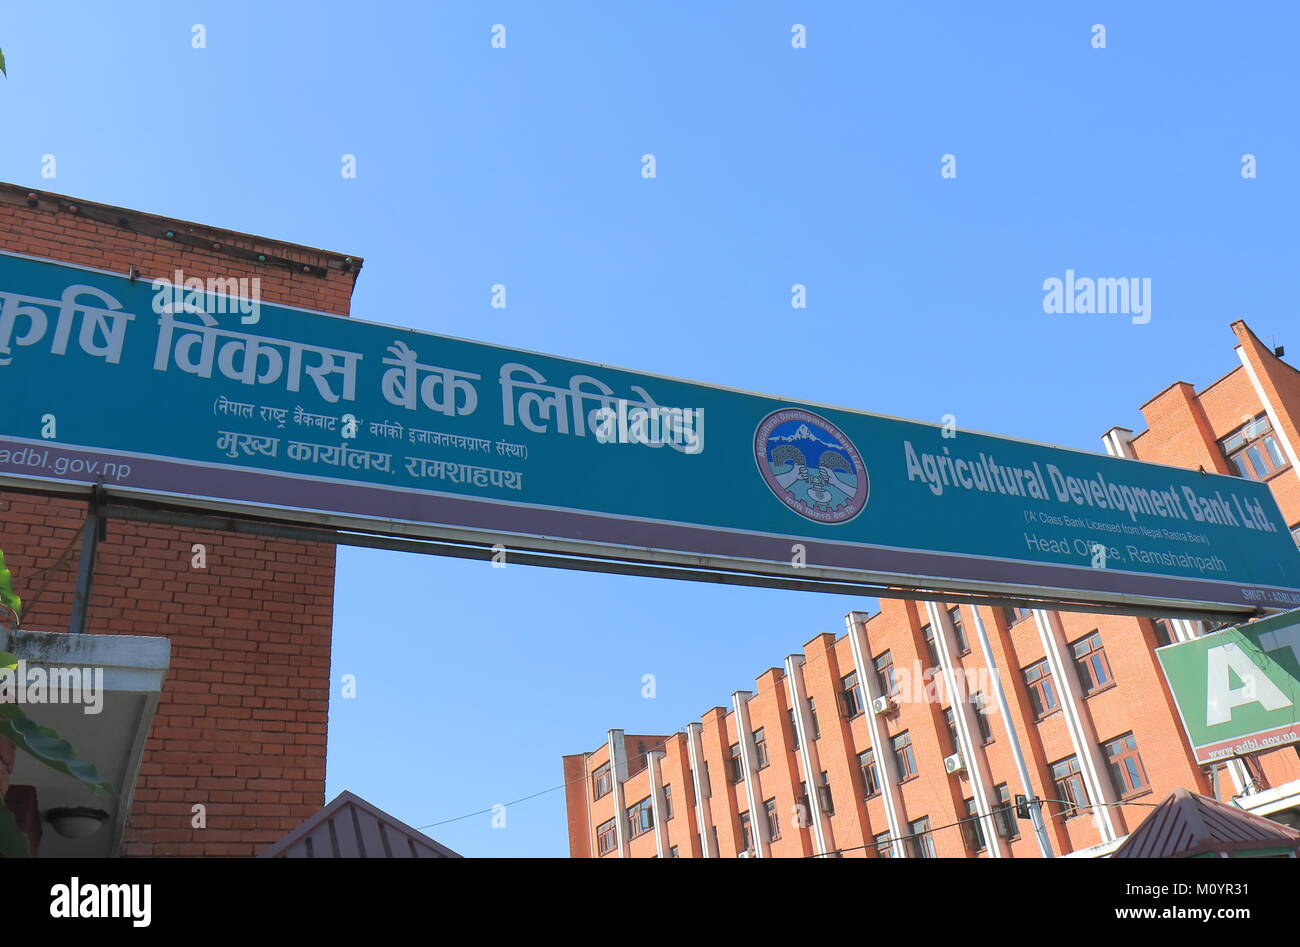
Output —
(856, 747)
(240, 725)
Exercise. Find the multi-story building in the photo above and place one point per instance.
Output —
(238, 735)
(856, 745)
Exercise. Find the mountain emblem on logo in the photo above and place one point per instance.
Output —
(811, 466)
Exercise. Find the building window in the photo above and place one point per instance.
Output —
(884, 845)
(1253, 450)
(1126, 769)
(1164, 631)
(921, 842)
(760, 747)
(851, 694)
(1004, 815)
(601, 782)
(885, 673)
(812, 712)
(746, 833)
(672, 852)
(736, 764)
(1016, 613)
(1295, 534)
(950, 719)
(903, 755)
(867, 765)
(640, 818)
(1090, 661)
(1071, 795)
(668, 803)
(973, 828)
(982, 718)
(1042, 690)
(708, 782)
(931, 646)
(803, 807)
(824, 795)
(606, 838)
(794, 730)
(958, 630)
(773, 823)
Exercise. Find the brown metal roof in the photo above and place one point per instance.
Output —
(350, 827)
(1187, 824)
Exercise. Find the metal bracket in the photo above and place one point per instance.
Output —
(94, 531)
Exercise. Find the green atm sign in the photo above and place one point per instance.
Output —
(1238, 689)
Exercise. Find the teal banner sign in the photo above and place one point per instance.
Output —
(1237, 689)
(173, 387)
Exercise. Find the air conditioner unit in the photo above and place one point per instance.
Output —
(954, 763)
(744, 854)
(882, 705)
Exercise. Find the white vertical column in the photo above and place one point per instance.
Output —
(1079, 723)
(1022, 769)
(749, 767)
(700, 777)
(657, 806)
(1119, 442)
(1269, 411)
(972, 753)
(823, 837)
(884, 750)
(618, 768)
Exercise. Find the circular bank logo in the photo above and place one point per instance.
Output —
(811, 466)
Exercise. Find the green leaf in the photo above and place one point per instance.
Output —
(8, 662)
(2, 64)
(13, 843)
(48, 747)
(8, 597)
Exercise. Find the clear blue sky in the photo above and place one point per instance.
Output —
(775, 166)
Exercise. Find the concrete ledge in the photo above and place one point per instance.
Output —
(109, 731)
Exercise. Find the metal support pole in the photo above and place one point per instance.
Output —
(94, 530)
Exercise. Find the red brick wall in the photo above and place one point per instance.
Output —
(575, 806)
(1178, 409)
(1281, 384)
(241, 724)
